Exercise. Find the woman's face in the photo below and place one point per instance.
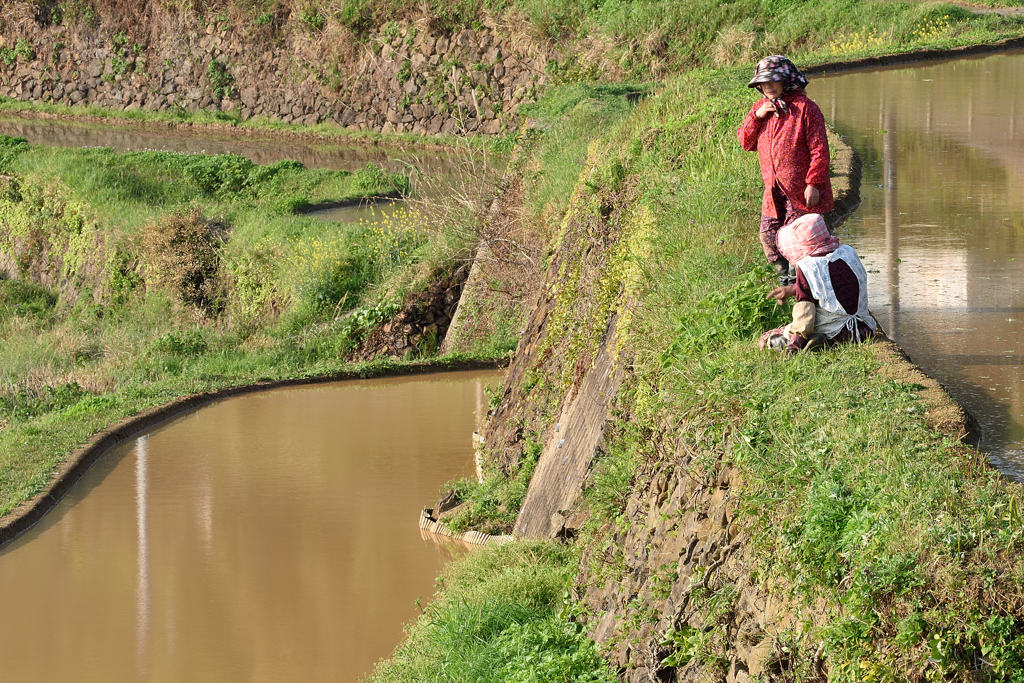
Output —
(772, 89)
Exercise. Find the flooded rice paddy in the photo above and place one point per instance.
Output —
(268, 537)
(941, 227)
(259, 148)
(433, 172)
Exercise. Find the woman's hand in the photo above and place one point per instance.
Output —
(811, 196)
(767, 108)
(782, 293)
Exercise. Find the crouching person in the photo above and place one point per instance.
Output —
(831, 290)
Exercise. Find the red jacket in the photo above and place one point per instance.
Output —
(793, 151)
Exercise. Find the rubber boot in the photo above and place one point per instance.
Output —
(783, 271)
(815, 342)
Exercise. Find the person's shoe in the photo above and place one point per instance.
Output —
(782, 270)
(815, 342)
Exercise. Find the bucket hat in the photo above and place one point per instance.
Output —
(778, 68)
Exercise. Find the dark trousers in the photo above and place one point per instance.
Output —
(785, 213)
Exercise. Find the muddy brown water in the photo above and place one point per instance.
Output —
(259, 149)
(268, 537)
(369, 211)
(941, 227)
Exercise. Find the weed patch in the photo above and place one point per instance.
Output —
(491, 506)
(182, 255)
(25, 299)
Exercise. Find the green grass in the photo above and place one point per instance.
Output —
(712, 33)
(492, 505)
(499, 616)
(129, 189)
(25, 299)
(575, 114)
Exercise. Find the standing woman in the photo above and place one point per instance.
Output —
(788, 132)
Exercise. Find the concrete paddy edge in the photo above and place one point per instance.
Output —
(431, 526)
(26, 515)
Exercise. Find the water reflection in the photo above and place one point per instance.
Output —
(270, 537)
(942, 224)
(368, 211)
(892, 226)
(142, 588)
(261, 150)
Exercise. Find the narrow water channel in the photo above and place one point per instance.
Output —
(368, 211)
(941, 227)
(258, 148)
(268, 537)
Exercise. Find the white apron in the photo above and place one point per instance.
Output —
(831, 318)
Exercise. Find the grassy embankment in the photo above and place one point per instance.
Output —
(500, 616)
(862, 29)
(903, 548)
(907, 545)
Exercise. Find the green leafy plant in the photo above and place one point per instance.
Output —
(24, 299)
(24, 405)
(221, 81)
(364, 320)
(404, 71)
(124, 54)
(22, 49)
(313, 20)
(10, 148)
(740, 312)
(187, 343)
(391, 30)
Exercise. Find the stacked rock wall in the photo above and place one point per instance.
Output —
(401, 78)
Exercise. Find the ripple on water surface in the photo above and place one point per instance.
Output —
(269, 537)
(941, 229)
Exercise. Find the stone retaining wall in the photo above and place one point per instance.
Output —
(402, 78)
